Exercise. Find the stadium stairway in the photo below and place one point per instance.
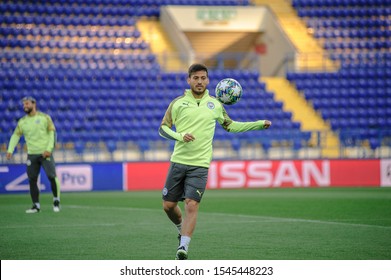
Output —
(311, 55)
(153, 33)
(304, 113)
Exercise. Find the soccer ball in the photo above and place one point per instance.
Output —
(228, 91)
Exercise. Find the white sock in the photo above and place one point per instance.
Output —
(179, 227)
(38, 205)
(56, 198)
(185, 241)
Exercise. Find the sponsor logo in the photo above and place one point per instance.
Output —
(75, 177)
(255, 174)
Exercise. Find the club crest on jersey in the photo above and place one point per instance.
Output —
(211, 105)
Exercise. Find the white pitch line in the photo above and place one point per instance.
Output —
(293, 220)
(265, 218)
(250, 217)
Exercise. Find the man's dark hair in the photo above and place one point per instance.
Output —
(29, 98)
(197, 67)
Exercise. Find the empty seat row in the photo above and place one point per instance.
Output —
(352, 33)
(351, 123)
(349, 23)
(148, 2)
(348, 93)
(78, 66)
(364, 58)
(356, 71)
(57, 5)
(43, 66)
(354, 63)
(78, 137)
(75, 10)
(359, 103)
(85, 65)
(129, 32)
(376, 105)
(79, 85)
(343, 83)
(364, 73)
(352, 44)
(63, 72)
(354, 112)
(61, 56)
(339, 3)
(344, 74)
(344, 12)
(74, 21)
(66, 44)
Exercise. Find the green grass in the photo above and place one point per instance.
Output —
(257, 224)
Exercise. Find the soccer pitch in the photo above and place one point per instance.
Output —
(253, 224)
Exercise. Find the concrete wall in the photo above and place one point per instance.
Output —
(270, 44)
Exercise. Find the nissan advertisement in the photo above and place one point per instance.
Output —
(222, 175)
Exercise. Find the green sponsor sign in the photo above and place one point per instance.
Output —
(219, 14)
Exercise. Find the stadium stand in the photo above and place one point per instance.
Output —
(355, 99)
(89, 67)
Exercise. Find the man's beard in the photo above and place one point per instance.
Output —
(28, 110)
(197, 91)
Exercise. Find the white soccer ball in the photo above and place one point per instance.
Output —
(228, 91)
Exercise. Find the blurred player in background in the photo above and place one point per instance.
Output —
(39, 133)
(194, 115)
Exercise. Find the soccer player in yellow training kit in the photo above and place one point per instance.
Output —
(39, 133)
(194, 115)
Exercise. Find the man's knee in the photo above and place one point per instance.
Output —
(191, 205)
(169, 206)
